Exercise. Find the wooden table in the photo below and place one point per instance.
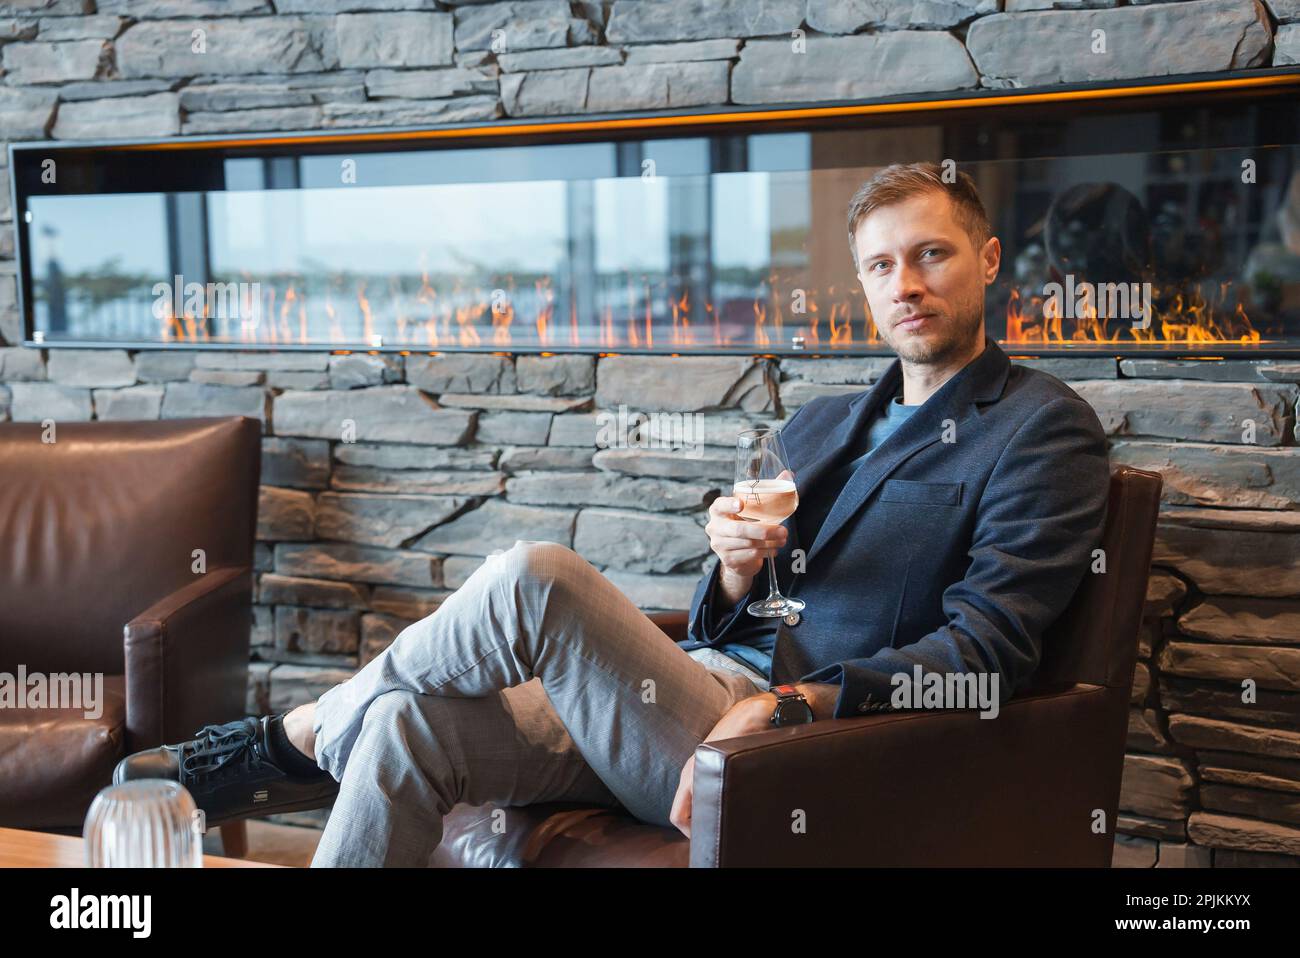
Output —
(24, 849)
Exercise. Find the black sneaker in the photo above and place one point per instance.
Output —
(229, 771)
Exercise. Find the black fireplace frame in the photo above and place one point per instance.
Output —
(1187, 90)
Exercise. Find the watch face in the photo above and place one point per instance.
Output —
(793, 712)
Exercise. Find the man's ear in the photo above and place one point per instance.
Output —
(992, 259)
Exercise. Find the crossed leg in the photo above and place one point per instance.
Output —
(537, 680)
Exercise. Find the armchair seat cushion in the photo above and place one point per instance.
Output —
(54, 761)
(556, 835)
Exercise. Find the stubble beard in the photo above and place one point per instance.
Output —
(960, 338)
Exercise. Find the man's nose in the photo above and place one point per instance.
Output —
(907, 285)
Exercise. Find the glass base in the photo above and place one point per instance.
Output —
(771, 608)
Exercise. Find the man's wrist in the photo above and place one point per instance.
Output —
(821, 696)
(732, 586)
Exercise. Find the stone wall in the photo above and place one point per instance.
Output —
(456, 455)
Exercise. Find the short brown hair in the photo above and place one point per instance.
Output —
(900, 181)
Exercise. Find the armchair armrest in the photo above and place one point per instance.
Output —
(187, 659)
(917, 788)
(674, 624)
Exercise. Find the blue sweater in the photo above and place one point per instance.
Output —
(814, 506)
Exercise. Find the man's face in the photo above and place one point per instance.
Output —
(923, 278)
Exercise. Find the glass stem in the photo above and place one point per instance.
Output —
(771, 572)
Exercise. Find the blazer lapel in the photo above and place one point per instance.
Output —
(860, 412)
(981, 381)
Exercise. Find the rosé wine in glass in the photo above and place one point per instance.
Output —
(766, 500)
(765, 487)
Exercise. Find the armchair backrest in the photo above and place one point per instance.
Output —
(1095, 640)
(104, 521)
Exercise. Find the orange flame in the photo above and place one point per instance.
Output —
(1197, 314)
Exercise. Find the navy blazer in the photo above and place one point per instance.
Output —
(958, 541)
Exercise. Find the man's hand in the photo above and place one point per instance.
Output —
(750, 715)
(740, 545)
(744, 718)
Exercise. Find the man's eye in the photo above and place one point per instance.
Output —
(933, 249)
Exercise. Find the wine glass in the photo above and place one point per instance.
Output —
(766, 490)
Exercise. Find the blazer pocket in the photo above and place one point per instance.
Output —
(927, 493)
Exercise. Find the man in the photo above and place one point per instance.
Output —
(947, 516)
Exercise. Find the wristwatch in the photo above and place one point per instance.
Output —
(791, 706)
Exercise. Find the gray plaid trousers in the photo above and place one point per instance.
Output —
(536, 681)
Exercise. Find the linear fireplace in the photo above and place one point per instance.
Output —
(1163, 217)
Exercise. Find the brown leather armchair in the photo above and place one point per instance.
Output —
(1037, 786)
(98, 533)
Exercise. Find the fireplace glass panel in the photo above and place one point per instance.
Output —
(720, 242)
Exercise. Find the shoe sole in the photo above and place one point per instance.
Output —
(263, 811)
